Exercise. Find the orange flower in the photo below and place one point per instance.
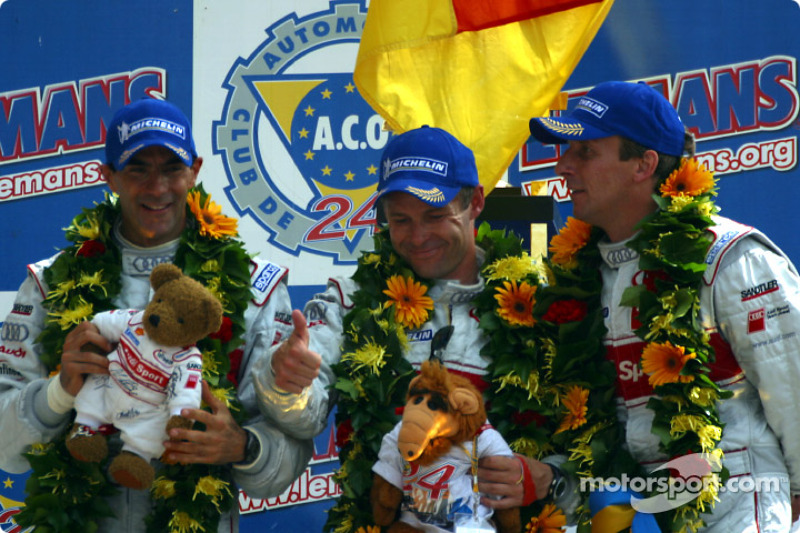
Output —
(575, 401)
(516, 303)
(691, 178)
(664, 362)
(408, 297)
(550, 520)
(212, 222)
(572, 237)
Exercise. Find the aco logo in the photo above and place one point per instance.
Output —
(301, 148)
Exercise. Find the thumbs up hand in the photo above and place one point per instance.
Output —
(294, 365)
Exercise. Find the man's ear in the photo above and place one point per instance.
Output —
(198, 162)
(646, 166)
(108, 175)
(477, 203)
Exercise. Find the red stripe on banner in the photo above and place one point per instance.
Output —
(473, 15)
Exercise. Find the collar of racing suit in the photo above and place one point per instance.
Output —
(616, 254)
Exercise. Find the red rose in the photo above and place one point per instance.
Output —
(225, 331)
(236, 362)
(563, 311)
(525, 419)
(649, 278)
(91, 248)
(343, 433)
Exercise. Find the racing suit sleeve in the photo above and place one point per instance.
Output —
(305, 415)
(569, 501)
(757, 301)
(33, 408)
(282, 458)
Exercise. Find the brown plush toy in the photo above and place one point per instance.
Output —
(155, 372)
(424, 472)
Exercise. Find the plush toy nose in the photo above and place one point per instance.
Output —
(154, 320)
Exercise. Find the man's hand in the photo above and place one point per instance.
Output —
(84, 352)
(222, 442)
(502, 476)
(294, 365)
(795, 508)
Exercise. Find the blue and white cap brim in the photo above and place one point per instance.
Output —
(559, 130)
(436, 195)
(122, 160)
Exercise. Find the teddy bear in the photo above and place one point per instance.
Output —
(425, 464)
(154, 372)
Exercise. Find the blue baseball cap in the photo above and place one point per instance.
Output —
(148, 122)
(429, 164)
(635, 111)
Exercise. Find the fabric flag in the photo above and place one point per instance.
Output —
(479, 69)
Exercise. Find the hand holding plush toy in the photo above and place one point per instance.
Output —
(155, 371)
(425, 465)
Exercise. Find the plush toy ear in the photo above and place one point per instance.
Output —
(464, 401)
(413, 383)
(213, 313)
(163, 273)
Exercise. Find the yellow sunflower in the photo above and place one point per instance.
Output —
(408, 297)
(516, 303)
(511, 267)
(371, 356)
(575, 401)
(212, 222)
(692, 178)
(550, 520)
(664, 363)
(572, 237)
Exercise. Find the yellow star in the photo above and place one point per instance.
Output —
(326, 170)
(372, 170)
(349, 176)
(350, 87)
(309, 111)
(303, 133)
(8, 483)
(309, 155)
(326, 94)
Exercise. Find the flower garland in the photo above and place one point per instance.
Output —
(672, 244)
(69, 495)
(372, 375)
(552, 388)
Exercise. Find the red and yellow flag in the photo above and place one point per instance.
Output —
(479, 69)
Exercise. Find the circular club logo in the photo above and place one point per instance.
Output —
(301, 148)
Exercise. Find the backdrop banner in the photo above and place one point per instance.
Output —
(293, 150)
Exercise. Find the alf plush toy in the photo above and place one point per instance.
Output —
(155, 372)
(425, 463)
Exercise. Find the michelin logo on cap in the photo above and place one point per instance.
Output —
(422, 164)
(127, 130)
(594, 107)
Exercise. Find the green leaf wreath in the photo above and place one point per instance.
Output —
(69, 495)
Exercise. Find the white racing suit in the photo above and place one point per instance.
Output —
(750, 307)
(147, 383)
(27, 396)
(305, 415)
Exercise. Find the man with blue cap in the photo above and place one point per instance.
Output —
(628, 162)
(157, 216)
(429, 196)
